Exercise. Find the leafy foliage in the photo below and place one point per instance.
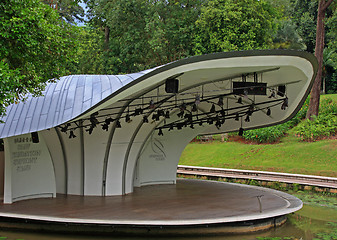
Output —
(35, 46)
(234, 25)
(274, 133)
(320, 126)
(134, 35)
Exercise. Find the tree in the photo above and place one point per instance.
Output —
(140, 34)
(320, 32)
(235, 25)
(328, 62)
(69, 10)
(36, 46)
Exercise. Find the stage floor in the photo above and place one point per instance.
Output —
(189, 202)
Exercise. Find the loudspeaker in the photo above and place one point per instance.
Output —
(35, 137)
(251, 88)
(281, 91)
(172, 85)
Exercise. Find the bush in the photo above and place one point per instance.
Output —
(321, 126)
(327, 106)
(273, 133)
(266, 135)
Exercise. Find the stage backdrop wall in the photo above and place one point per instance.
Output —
(29, 169)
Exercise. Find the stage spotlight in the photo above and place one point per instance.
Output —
(212, 110)
(65, 128)
(72, 135)
(138, 111)
(145, 119)
(105, 127)
(90, 129)
(167, 114)
(239, 100)
(268, 111)
(284, 104)
(194, 108)
(247, 118)
(220, 101)
(118, 124)
(272, 95)
(127, 118)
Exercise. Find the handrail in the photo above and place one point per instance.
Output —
(319, 181)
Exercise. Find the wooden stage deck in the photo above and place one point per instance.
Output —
(189, 202)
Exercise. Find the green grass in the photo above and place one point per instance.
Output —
(332, 96)
(290, 155)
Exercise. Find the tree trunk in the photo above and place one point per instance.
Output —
(320, 31)
(106, 37)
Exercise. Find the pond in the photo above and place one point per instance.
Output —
(311, 222)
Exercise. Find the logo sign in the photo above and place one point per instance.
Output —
(158, 150)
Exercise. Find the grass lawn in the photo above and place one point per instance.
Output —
(290, 155)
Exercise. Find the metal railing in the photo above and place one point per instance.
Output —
(310, 180)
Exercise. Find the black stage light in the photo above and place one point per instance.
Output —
(145, 119)
(247, 118)
(212, 110)
(72, 135)
(237, 117)
(138, 111)
(272, 95)
(284, 104)
(181, 114)
(239, 100)
(65, 128)
(194, 107)
(281, 90)
(35, 137)
(90, 129)
(127, 118)
(172, 85)
(118, 124)
(105, 127)
(268, 111)
(220, 101)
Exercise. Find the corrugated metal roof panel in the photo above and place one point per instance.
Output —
(62, 101)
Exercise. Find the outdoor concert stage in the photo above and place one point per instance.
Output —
(189, 207)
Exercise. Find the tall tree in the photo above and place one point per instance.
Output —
(235, 25)
(319, 47)
(35, 46)
(69, 10)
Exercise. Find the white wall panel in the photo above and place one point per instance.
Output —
(29, 169)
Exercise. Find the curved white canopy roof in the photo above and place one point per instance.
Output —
(76, 97)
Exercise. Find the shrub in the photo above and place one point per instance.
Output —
(321, 125)
(266, 135)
